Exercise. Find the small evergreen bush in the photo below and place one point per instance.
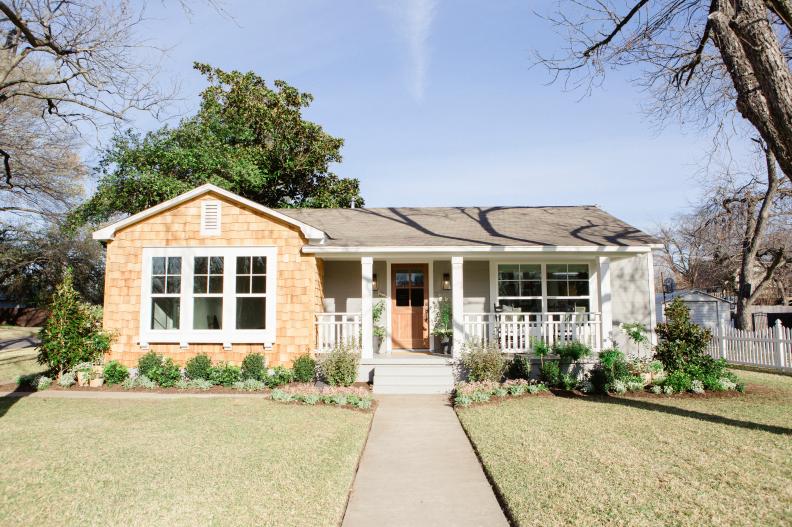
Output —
(279, 377)
(679, 381)
(225, 374)
(198, 367)
(681, 342)
(67, 379)
(253, 367)
(304, 368)
(483, 362)
(148, 363)
(568, 381)
(73, 331)
(115, 373)
(519, 368)
(167, 374)
(339, 366)
(551, 373)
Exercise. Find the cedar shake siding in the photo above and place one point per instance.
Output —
(299, 279)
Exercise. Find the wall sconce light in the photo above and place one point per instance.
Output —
(446, 282)
(374, 282)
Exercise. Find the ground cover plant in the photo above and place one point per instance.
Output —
(139, 462)
(641, 460)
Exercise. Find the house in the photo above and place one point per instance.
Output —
(706, 310)
(210, 271)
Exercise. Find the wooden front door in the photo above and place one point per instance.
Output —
(410, 306)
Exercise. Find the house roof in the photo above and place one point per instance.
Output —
(584, 227)
(108, 232)
(571, 226)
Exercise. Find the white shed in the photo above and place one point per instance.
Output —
(705, 309)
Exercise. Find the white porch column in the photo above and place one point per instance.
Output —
(366, 317)
(652, 313)
(606, 301)
(457, 305)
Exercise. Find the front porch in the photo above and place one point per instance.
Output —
(512, 301)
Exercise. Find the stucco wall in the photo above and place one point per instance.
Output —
(299, 286)
(631, 296)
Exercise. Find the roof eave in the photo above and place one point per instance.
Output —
(314, 235)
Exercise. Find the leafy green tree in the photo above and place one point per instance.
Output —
(246, 137)
(682, 343)
(73, 332)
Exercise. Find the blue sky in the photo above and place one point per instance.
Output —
(438, 104)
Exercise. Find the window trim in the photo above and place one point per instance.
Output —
(228, 334)
(591, 297)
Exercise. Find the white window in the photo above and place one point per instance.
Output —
(219, 295)
(540, 287)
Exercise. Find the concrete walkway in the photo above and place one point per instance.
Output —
(419, 469)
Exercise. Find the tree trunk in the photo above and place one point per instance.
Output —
(743, 318)
(752, 54)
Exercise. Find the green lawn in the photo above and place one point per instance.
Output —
(630, 461)
(18, 361)
(244, 461)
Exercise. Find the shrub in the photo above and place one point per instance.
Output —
(253, 367)
(635, 386)
(167, 374)
(279, 377)
(681, 342)
(678, 380)
(73, 331)
(483, 362)
(657, 389)
(568, 381)
(141, 381)
(199, 367)
(115, 373)
(520, 367)
(225, 374)
(148, 363)
(304, 369)
(551, 373)
(67, 379)
(612, 366)
(668, 389)
(619, 386)
(697, 386)
(193, 384)
(339, 366)
(250, 385)
(571, 351)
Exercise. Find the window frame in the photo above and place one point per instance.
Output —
(591, 297)
(228, 334)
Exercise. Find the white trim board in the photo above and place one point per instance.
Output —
(405, 251)
(313, 234)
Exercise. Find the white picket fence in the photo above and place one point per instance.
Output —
(765, 348)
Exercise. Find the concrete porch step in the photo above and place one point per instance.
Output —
(411, 390)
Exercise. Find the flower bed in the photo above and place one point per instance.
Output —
(468, 393)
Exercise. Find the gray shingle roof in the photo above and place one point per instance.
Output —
(471, 226)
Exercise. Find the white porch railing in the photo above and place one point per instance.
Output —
(514, 332)
(334, 329)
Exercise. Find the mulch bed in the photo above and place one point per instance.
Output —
(118, 388)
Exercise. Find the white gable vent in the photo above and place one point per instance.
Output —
(210, 218)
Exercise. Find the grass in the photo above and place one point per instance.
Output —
(638, 461)
(177, 462)
(18, 361)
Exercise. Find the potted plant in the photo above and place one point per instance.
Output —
(96, 377)
(443, 324)
(379, 330)
(84, 373)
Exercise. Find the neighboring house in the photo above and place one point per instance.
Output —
(706, 310)
(210, 271)
(766, 316)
